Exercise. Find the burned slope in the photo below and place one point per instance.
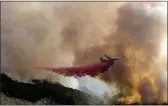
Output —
(56, 93)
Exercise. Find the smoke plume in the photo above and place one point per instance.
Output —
(74, 33)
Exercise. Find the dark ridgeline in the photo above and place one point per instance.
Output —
(56, 93)
(52, 94)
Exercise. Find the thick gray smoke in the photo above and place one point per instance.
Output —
(70, 33)
(38, 33)
(31, 36)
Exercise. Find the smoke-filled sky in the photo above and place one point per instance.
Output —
(74, 33)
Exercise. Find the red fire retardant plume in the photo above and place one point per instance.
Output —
(79, 71)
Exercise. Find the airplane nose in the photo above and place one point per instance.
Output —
(116, 58)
